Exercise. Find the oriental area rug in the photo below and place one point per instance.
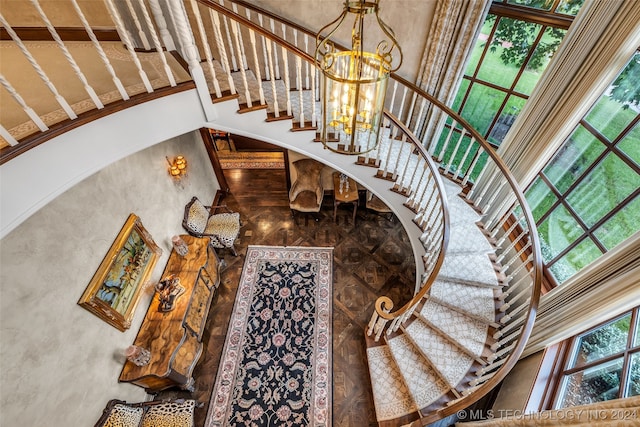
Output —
(275, 368)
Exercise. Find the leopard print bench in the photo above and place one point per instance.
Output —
(173, 413)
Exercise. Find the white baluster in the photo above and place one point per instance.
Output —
(455, 152)
(300, 93)
(481, 380)
(127, 41)
(76, 68)
(252, 39)
(306, 63)
(191, 55)
(141, 34)
(287, 83)
(276, 108)
(402, 105)
(464, 158)
(502, 352)
(242, 55)
(32, 114)
(275, 52)
(313, 97)
(298, 75)
(379, 329)
(372, 322)
(491, 367)
(446, 142)
(498, 227)
(226, 28)
(7, 136)
(235, 30)
(415, 185)
(393, 95)
(217, 32)
(156, 42)
(493, 198)
(519, 295)
(497, 214)
(101, 53)
(507, 339)
(156, 10)
(419, 117)
(512, 288)
(407, 121)
(519, 309)
(63, 102)
(519, 268)
(472, 166)
(206, 48)
(173, 22)
(267, 73)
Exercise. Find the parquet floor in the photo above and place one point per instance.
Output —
(372, 258)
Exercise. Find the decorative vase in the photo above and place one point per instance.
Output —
(137, 355)
(179, 245)
(168, 290)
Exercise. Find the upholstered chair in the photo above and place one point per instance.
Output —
(221, 228)
(373, 203)
(306, 192)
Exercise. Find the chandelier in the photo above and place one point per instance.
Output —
(354, 81)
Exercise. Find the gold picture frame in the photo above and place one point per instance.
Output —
(114, 290)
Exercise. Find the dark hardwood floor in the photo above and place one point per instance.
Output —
(372, 258)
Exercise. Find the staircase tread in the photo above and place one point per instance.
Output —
(474, 300)
(469, 333)
(423, 382)
(391, 395)
(446, 357)
(471, 267)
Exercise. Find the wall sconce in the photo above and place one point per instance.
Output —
(177, 167)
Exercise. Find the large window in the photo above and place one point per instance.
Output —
(516, 42)
(587, 199)
(603, 364)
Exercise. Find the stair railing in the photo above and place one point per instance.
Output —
(414, 122)
(26, 128)
(399, 158)
(463, 156)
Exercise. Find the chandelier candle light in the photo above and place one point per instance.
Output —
(354, 81)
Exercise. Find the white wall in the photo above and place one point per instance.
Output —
(59, 363)
(31, 180)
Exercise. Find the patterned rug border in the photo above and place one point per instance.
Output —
(319, 413)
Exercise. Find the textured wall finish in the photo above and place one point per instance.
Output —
(60, 363)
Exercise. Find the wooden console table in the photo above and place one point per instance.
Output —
(174, 338)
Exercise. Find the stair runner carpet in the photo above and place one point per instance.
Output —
(276, 363)
(15, 67)
(417, 367)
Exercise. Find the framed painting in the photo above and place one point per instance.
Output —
(113, 292)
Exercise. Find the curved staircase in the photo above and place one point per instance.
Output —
(478, 274)
(448, 336)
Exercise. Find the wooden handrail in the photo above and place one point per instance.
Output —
(384, 302)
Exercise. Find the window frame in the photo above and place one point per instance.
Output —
(563, 353)
(588, 232)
